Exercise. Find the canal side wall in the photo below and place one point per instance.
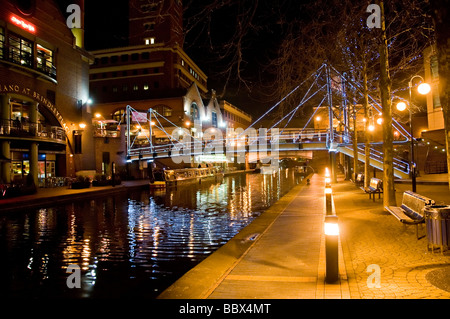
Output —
(57, 196)
(201, 280)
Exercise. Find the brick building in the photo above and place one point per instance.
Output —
(153, 72)
(45, 127)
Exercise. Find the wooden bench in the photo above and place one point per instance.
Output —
(411, 210)
(375, 186)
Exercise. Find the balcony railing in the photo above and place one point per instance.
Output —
(26, 59)
(16, 128)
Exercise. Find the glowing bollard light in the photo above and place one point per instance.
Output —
(331, 229)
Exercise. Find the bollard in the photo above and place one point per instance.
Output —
(328, 202)
(331, 229)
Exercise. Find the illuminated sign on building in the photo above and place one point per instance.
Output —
(23, 24)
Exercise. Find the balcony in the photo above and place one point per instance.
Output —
(15, 129)
(26, 60)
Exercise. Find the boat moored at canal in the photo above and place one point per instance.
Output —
(191, 175)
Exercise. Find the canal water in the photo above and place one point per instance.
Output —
(129, 245)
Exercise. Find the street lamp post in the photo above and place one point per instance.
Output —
(424, 88)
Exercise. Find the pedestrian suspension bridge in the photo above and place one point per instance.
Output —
(151, 135)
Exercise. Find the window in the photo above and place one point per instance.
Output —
(164, 110)
(167, 111)
(214, 119)
(194, 112)
(2, 42)
(149, 26)
(135, 56)
(20, 51)
(114, 59)
(150, 41)
(125, 88)
(120, 116)
(45, 61)
(135, 87)
(145, 55)
(114, 89)
(104, 60)
(146, 87)
(124, 58)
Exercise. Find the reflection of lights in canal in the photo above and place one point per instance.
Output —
(145, 238)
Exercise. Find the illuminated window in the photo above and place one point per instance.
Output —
(20, 50)
(45, 61)
(150, 41)
(146, 87)
(119, 116)
(164, 110)
(2, 42)
(167, 111)
(135, 87)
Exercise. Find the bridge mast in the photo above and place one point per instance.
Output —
(331, 143)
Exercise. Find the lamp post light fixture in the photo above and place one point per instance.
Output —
(423, 88)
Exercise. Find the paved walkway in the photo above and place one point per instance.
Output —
(281, 254)
(371, 236)
(285, 261)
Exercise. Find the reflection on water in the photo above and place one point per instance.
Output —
(129, 245)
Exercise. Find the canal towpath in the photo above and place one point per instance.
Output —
(280, 255)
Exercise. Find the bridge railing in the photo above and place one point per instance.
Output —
(378, 156)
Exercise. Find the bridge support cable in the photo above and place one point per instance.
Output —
(302, 102)
(374, 103)
(316, 73)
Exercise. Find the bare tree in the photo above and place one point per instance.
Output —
(441, 18)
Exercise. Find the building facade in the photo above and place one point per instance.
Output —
(152, 73)
(45, 128)
(434, 135)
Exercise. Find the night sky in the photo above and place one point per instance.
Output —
(106, 26)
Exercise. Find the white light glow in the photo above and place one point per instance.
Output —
(331, 229)
(401, 106)
(424, 88)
